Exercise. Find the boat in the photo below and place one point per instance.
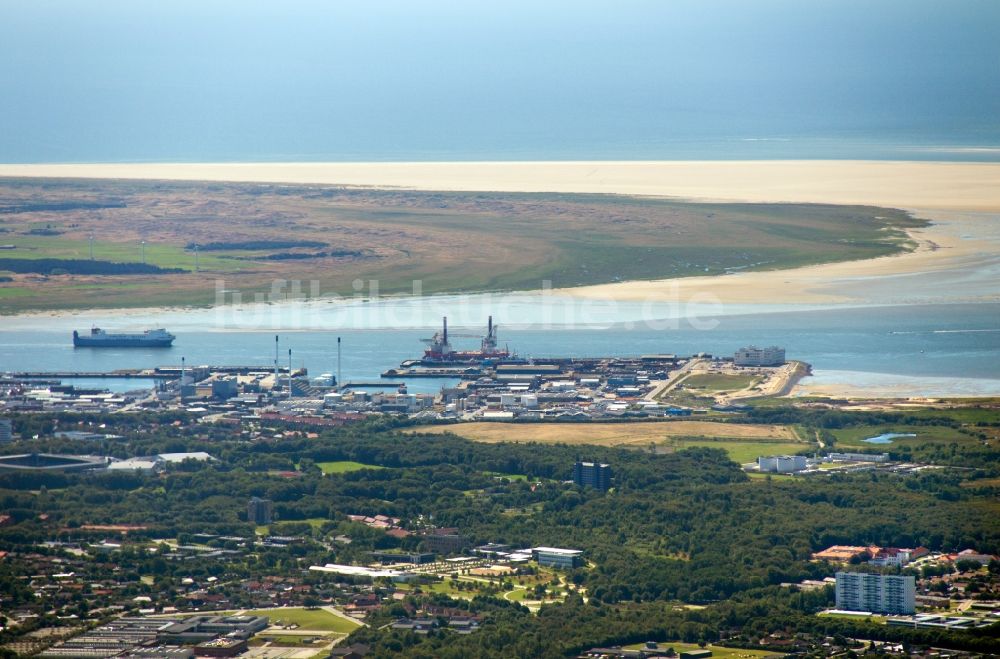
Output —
(98, 338)
(440, 353)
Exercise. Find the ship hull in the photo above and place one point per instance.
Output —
(84, 342)
(98, 338)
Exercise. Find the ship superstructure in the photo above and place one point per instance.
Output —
(439, 350)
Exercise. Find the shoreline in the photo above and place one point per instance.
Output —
(954, 245)
(853, 385)
(939, 185)
(955, 260)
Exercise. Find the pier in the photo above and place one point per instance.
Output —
(380, 384)
(35, 376)
(158, 373)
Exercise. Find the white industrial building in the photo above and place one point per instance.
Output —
(781, 464)
(359, 571)
(876, 593)
(858, 457)
(754, 356)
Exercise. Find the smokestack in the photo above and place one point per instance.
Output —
(182, 380)
(289, 372)
(275, 387)
(340, 382)
(489, 327)
(445, 329)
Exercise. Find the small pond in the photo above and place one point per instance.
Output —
(887, 437)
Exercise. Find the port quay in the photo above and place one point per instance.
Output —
(490, 382)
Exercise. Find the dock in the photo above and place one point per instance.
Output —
(158, 373)
(34, 376)
(379, 384)
(467, 372)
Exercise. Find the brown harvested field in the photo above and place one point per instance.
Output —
(612, 434)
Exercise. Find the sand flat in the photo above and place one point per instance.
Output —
(941, 185)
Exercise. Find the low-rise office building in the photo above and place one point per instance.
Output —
(858, 457)
(557, 557)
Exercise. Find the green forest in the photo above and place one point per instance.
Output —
(688, 529)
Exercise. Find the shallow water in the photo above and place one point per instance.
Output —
(886, 438)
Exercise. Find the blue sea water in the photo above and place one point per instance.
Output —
(952, 347)
(123, 81)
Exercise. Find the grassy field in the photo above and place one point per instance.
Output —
(511, 477)
(717, 382)
(448, 587)
(743, 442)
(344, 466)
(853, 438)
(449, 241)
(311, 619)
(612, 434)
(973, 410)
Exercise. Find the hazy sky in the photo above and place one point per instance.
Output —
(197, 80)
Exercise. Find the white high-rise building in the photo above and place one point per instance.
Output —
(754, 356)
(876, 593)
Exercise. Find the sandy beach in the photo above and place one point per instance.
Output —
(956, 259)
(907, 184)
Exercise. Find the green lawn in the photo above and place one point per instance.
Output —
(159, 254)
(512, 477)
(853, 437)
(344, 466)
(14, 292)
(878, 620)
(276, 527)
(519, 595)
(312, 619)
(719, 381)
